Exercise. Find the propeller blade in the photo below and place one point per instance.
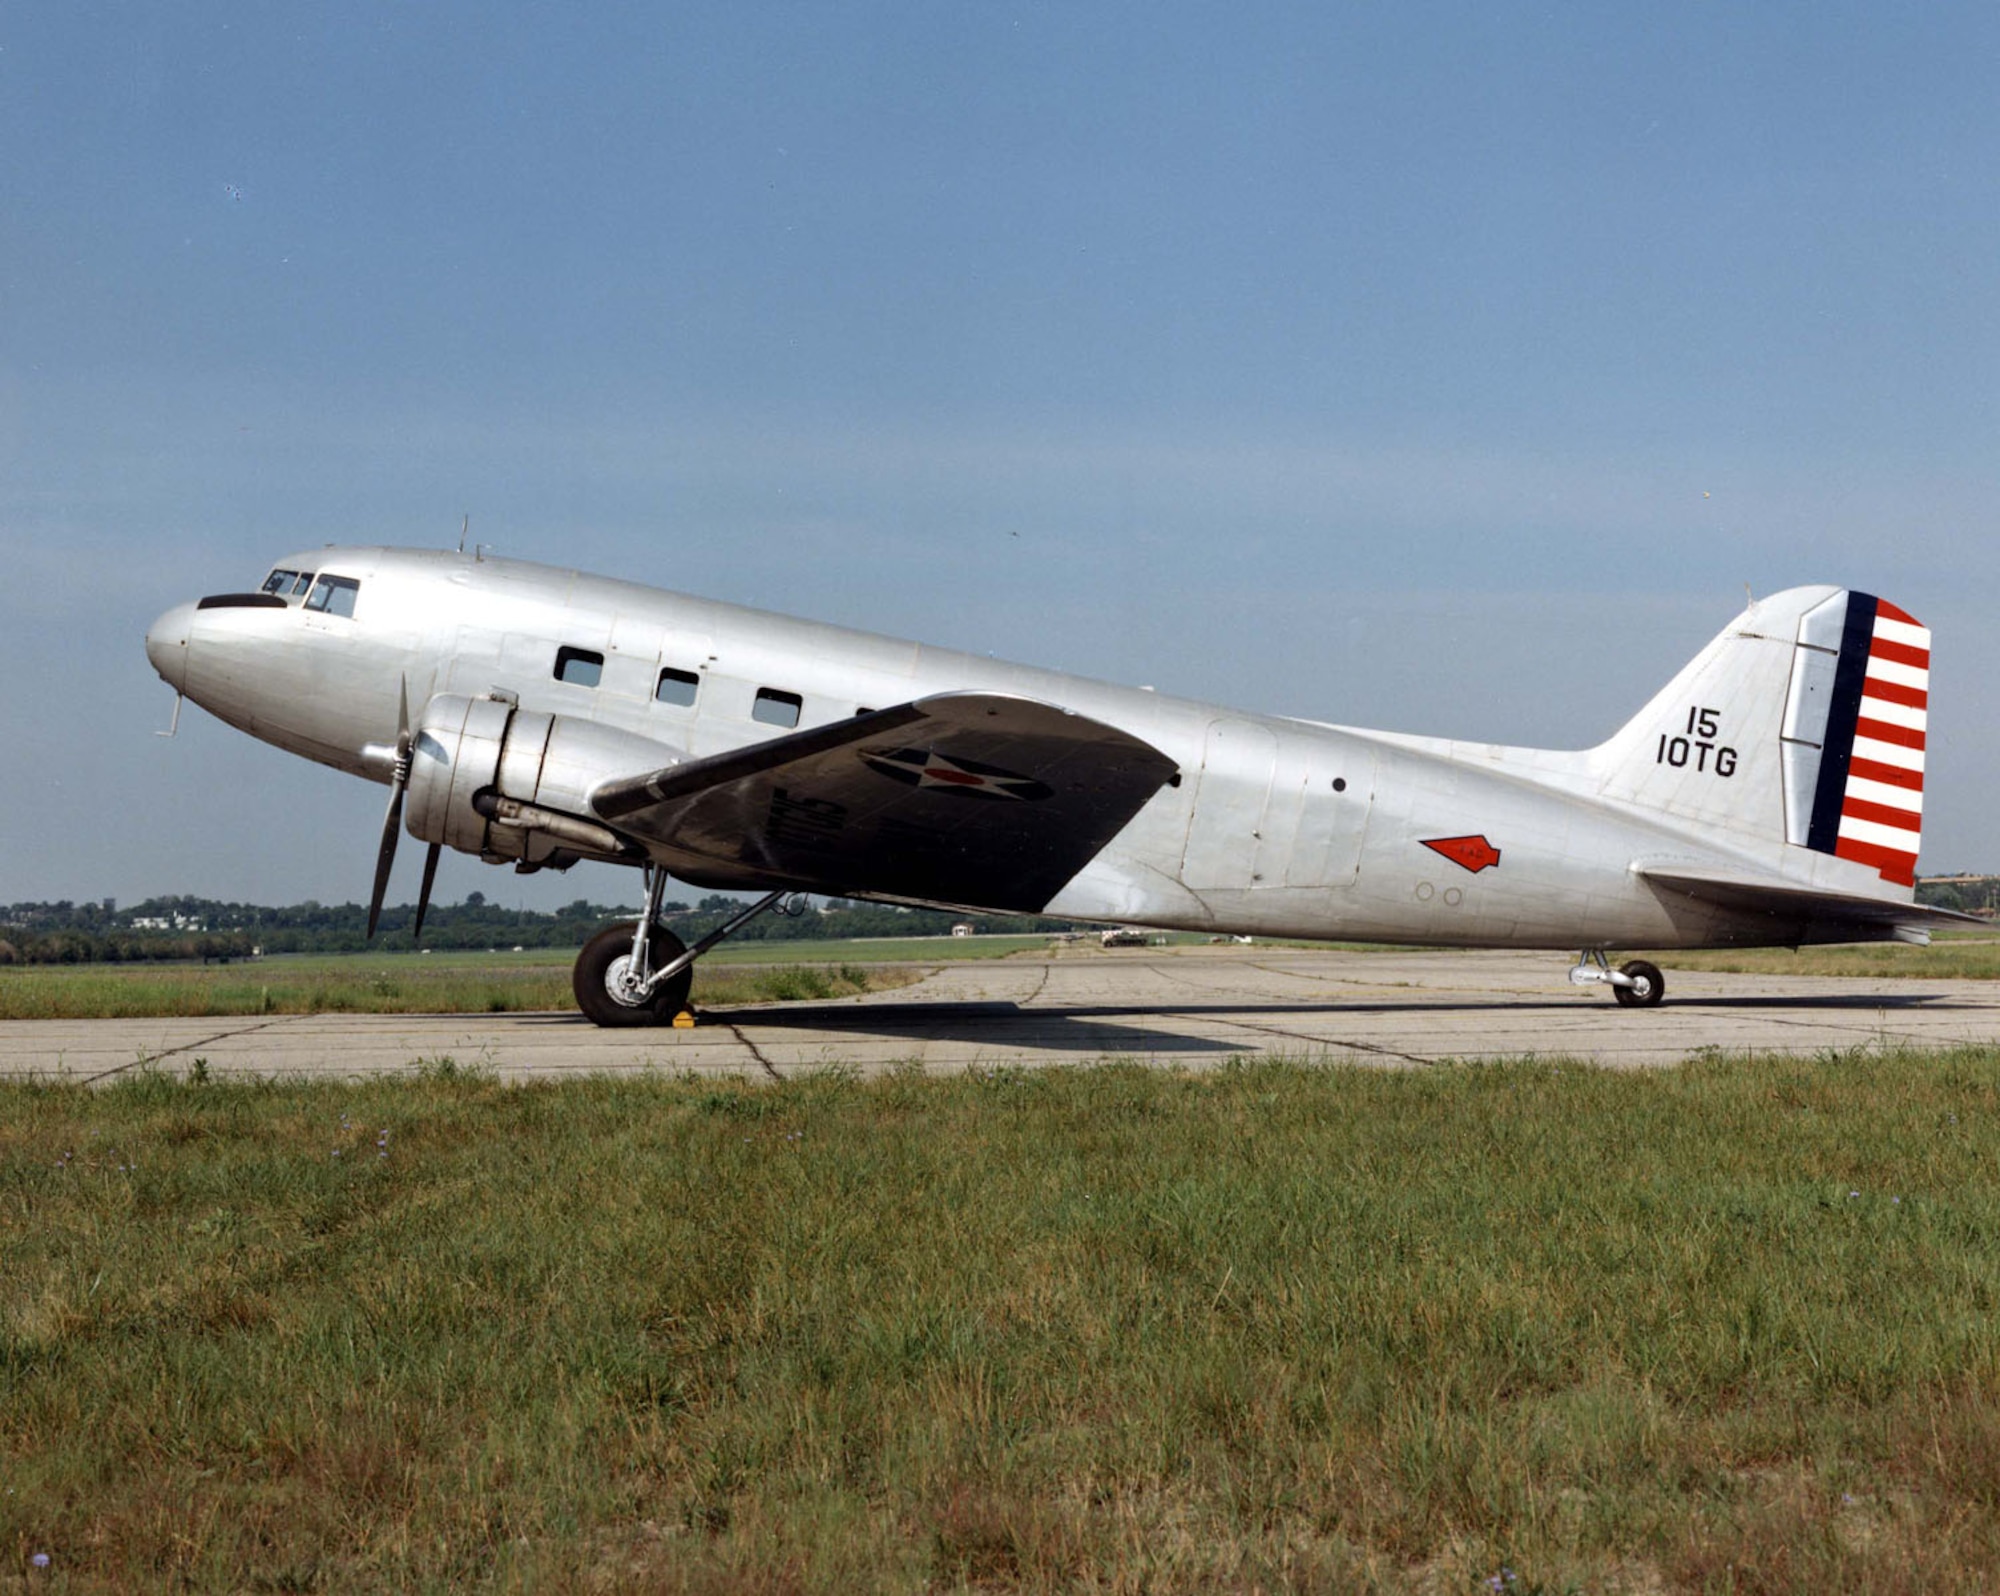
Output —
(424, 896)
(385, 857)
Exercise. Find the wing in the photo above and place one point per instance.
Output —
(1822, 916)
(978, 799)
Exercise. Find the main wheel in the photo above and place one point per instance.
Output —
(604, 966)
(1647, 988)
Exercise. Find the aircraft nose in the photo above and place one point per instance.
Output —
(167, 645)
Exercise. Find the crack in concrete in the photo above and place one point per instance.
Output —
(1319, 1042)
(1181, 974)
(186, 1047)
(753, 1050)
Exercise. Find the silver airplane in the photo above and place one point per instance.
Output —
(1771, 794)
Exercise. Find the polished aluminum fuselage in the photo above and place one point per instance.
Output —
(1276, 826)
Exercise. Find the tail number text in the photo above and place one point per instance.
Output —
(1698, 746)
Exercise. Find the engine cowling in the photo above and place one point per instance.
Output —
(491, 778)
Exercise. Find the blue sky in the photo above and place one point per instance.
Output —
(1437, 366)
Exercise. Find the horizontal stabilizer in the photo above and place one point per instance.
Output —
(962, 798)
(1828, 913)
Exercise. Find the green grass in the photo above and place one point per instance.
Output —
(1951, 957)
(499, 982)
(537, 979)
(1734, 1326)
(880, 950)
(394, 984)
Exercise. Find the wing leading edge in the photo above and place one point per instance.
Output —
(979, 799)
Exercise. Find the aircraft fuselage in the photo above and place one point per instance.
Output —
(1274, 826)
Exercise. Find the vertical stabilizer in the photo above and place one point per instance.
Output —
(1804, 721)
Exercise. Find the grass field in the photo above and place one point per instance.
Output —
(457, 983)
(1951, 957)
(1734, 1326)
(747, 972)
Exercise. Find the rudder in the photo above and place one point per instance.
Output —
(1856, 723)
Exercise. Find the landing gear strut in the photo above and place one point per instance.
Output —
(639, 972)
(1635, 984)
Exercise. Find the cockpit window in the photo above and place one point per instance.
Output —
(286, 584)
(334, 595)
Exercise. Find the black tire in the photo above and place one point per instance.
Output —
(600, 958)
(1651, 987)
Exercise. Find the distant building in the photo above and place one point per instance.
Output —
(163, 922)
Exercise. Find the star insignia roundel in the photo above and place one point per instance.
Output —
(961, 778)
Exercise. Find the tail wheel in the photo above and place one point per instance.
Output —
(1647, 989)
(603, 978)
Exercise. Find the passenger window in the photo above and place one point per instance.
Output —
(677, 688)
(333, 595)
(774, 708)
(579, 666)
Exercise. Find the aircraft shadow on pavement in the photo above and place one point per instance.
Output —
(1092, 1031)
(928, 1017)
(1479, 1005)
(1833, 1000)
(1101, 1029)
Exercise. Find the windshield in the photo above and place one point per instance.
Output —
(287, 584)
(334, 595)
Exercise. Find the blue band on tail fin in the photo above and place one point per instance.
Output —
(1838, 748)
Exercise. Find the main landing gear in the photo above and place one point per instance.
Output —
(639, 972)
(1635, 984)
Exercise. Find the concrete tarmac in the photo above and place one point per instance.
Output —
(1189, 1006)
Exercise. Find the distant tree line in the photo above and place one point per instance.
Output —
(1969, 894)
(179, 928)
(202, 928)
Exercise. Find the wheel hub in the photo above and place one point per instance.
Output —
(622, 982)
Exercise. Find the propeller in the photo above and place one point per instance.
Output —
(424, 896)
(392, 824)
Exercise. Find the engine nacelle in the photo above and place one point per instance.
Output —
(490, 778)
